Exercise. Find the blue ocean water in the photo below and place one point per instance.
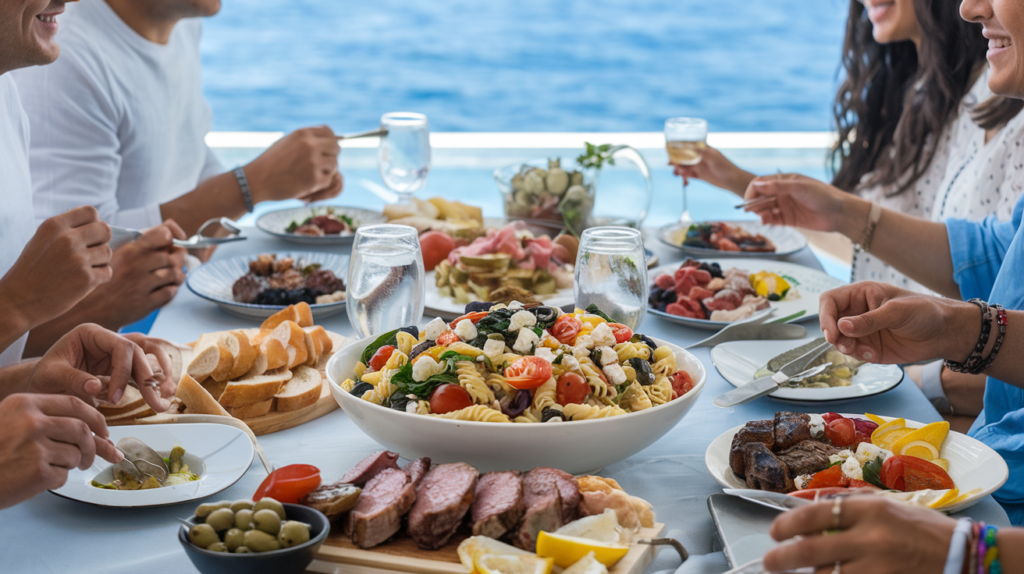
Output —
(524, 65)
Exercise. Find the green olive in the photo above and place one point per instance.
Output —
(259, 541)
(217, 547)
(207, 509)
(221, 519)
(234, 538)
(202, 535)
(243, 520)
(243, 550)
(270, 503)
(293, 533)
(267, 520)
(241, 505)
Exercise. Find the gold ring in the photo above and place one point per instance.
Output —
(837, 518)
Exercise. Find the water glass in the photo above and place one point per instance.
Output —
(611, 272)
(403, 156)
(385, 279)
(686, 140)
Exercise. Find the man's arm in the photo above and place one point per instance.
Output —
(14, 379)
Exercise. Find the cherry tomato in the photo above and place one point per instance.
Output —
(864, 429)
(830, 477)
(919, 474)
(682, 383)
(380, 358)
(474, 317)
(841, 432)
(528, 373)
(289, 483)
(447, 398)
(892, 474)
(572, 389)
(622, 333)
(829, 417)
(566, 328)
(435, 247)
(447, 338)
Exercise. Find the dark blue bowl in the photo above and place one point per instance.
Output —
(292, 560)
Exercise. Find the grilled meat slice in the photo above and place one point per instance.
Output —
(417, 469)
(333, 499)
(764, 471)
(370, 466)
(754, 431)
(247, 288)
(791, 429)
(498, 505)
(807, 457)
(442, 500)
(544, 504)
(378, 514)
(288, 279)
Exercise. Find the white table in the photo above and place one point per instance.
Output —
(51, 534)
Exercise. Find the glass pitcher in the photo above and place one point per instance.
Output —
(623, 189)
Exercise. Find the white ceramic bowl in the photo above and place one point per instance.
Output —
(575, 447)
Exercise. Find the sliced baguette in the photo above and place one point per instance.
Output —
(131, 400)
(289, 313)
(197, 400)
(244, 353)
(301, 391)
(293, 341)
(209, 357)
(325, 344)
(312, 350)
(257, 389)
(259, 366)
(180, 357)
(215, 388)
(252, 411)
(305, 314)
(137, 413)
(276, 354)
(228, 350)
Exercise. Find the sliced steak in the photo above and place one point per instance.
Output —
(807, 457)
(569, 491)
(754, 431)
(764, 470)
(370, 466)
(542, 502)
(791, 429)
(417, 469)
(378, 514)
(498, 505)
(442, 501)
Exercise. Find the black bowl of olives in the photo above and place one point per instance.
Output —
(253, 538)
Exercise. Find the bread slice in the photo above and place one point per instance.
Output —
(312, 350)
(131, 400)
(244, 355)
(259, 366)
(209, 357)
(336, 343)
(177, 355)
(254, 390)
(289, 313)
(304, 313)
(325, 344)
(196, 399)
(293, 342)
(137, 413)
(301, 391)
(228, 349)
(252, 411)
(276, 354)
(215, 388)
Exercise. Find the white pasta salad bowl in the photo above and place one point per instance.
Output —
(575, 447)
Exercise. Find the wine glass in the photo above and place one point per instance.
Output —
(386, 289)
(403, 156)
(686, 140)
(611, 272)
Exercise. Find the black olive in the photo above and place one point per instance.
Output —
(545, 315)
(413, 330)
(644, 374)
(301, 295)
(360, 389)
(399, 401)
(477, 306)
(420, 348)
(549, 414)
(517, 405)
(641, 338)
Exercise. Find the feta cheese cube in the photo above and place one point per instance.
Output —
(852, 469)
(436, 328)
(493, 348)
(615, 374)
(466, 330)
(867, 451)
(515, 306)
(607, 355)
(424, 368)
(521, 319)
(602, 335)
(570, 362)
(527, 339)
(584, 342)
(545, 353)
(801, 481)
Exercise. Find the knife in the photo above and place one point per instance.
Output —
(775, 500)
(767, 385)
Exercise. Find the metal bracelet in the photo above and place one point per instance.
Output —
(869, 232)
(243, 183)
(975, 361)
(1001, 321)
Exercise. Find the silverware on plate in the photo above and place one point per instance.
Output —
(756, 328)
(122, 235)
(767, 385)
(775, 500)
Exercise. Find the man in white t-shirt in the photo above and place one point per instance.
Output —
(47, 423)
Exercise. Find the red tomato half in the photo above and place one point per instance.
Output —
(447, 338)
(448, 398)
(566, 328)
(830, 477)
(289, 483)
(528, 373)
(682, 383)
(892, 474)
(841, 432)
(474, 317)
(829, 417)
(572, 389)
(622, 333)
(820, 493)
(380, 358)
(920, 474)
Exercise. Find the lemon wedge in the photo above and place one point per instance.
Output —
(963, 497)
(602, 527)
(587, 565)
(932, 434)
(876, 419)
(941, 463)
(567, 550)
(950, 495)
(886, 439)
(512, 564)
(921, 449)
(476, 546)
(886, 427)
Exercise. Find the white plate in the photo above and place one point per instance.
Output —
(275, 223)
(222, 453)
(786, 239)
(972, 464)
(739, 360)
(439, 305)
(575, 447)
(213, 281)
(809, 283)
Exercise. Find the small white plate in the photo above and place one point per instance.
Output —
(439, 305)
(737, 361)
(275, 223)
(213, 281)
(809, 283)
(221, 453)
(972, 464)
(786, 239)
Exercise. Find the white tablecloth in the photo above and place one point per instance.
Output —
(51, 534)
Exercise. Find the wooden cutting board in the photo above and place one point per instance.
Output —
(401, 555)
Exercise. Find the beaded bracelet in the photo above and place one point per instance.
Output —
(1002, 320)
(981, 549)
(991, 554)
(974, 361)
(972, 564)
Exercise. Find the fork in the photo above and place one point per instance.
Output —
(122, 235)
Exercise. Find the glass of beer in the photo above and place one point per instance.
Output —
(685, 139)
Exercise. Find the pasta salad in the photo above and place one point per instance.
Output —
(513, 364)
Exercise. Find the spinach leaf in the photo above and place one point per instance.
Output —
(873, 472)
(398, 401)
(593, 310)
(422, 389)
(389, 338)
(497, 321)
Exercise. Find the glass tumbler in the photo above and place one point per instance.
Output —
(385, 279)
(403, 156)
(611, 272)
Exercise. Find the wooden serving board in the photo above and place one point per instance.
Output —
(401, 555)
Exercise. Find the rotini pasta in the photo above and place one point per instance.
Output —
(465, 349)
(397, 360)
(478, 413)
(660, 392)
(359, 370)
(497, 382)
(586, 412)
(474, 384)
(348, 385)
(545, 395)
(405, 343)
